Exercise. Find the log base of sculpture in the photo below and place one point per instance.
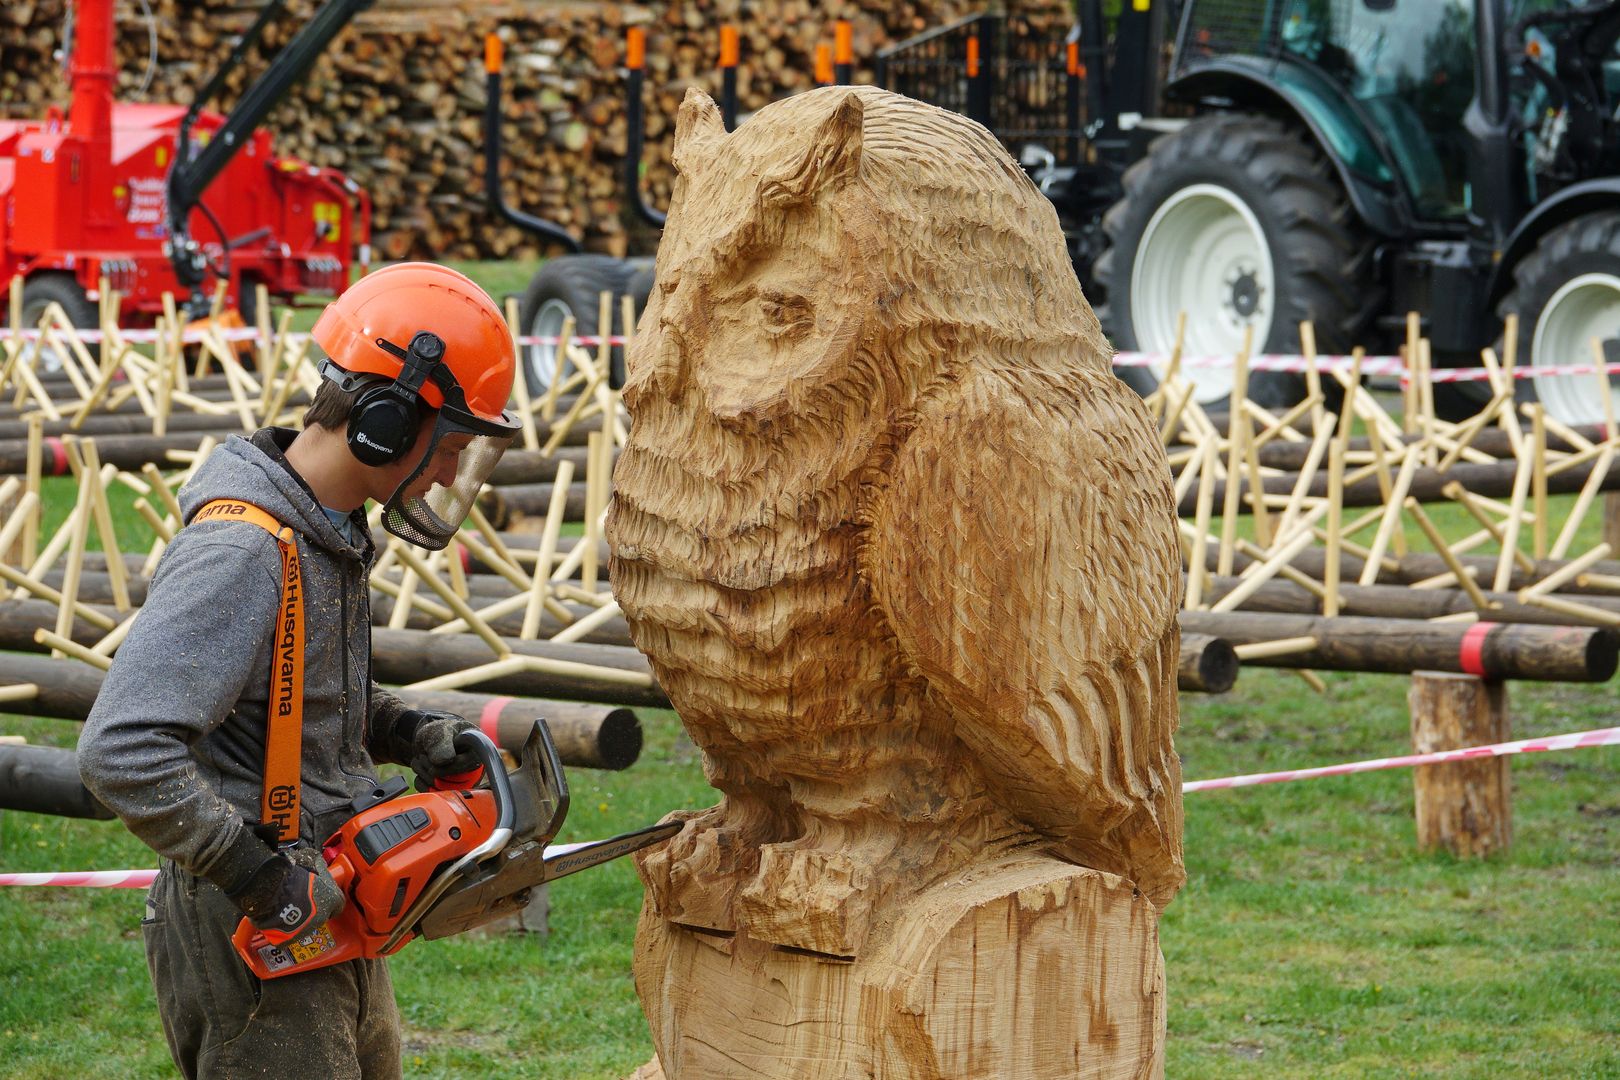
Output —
(1025, 967)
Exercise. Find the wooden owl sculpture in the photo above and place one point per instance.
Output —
(899, 546)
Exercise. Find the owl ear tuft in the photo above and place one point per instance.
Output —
(697, 125)
(833, 159)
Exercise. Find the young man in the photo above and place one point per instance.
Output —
(410, 415)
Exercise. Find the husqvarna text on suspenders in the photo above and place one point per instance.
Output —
(284, 710)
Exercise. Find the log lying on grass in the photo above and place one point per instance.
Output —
(1397, 646)
(506, 505)
(1421, 566)
(124, 451)
(1208, 664)
(45, 780)
(1399, 602)
(587, 736)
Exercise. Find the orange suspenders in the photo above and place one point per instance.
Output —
(284, 711)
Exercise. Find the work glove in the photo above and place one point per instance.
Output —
(290, 894)
(430, 737)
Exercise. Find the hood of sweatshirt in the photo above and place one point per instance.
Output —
(256, 471)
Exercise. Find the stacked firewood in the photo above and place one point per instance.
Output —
(397, 101)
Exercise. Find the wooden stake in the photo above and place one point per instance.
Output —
(35, 465)
(1313, 378)
(62, 646)
(109, 644)
(1197, 571)
(1260, 573)
(1392, 512)
(117, 575)
(599, 446)
(508, 665)
(1330, 575)
(1471, 502)
(77, 537)
(599, 617)
(1564, 574)
(1538, 480)
(1257, 650)
(1409, 387)
(520, 385)
(1463, 576)
(1585, 612)
(405, 600)
(548, 547)
(454, 602)
(1583, 502)
(1236, 436)
(1510, 532)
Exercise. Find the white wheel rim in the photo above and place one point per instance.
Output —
(542, 358)
(1586, 307)
(1203, 252)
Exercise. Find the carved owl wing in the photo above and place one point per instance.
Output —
(1023, 550)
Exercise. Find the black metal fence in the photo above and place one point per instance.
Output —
(1011, 75)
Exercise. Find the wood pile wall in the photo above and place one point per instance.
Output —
(397, 101)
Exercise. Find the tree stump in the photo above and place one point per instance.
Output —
(1464, 807)
(1027, 967)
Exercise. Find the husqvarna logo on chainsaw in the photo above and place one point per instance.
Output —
(292, 915)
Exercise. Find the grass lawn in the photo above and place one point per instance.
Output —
(1311, 940)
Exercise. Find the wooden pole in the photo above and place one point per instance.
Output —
(1348, 643)
(1237, 435)
(1464, 807)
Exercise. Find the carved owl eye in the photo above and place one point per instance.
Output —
(786, 313)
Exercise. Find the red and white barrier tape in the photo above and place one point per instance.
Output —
(189, 337)
(140, 879)
(1574, 740)
(88, 879)
(1370, 365)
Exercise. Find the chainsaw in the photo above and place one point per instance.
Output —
(442, 862)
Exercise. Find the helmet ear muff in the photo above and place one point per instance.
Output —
(382, 423)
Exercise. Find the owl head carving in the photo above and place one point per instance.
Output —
(896, 217)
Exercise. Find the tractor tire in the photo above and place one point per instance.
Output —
(38, 293)
(1238, 221)
(1567, 292)
(569, 285)
(641, 281)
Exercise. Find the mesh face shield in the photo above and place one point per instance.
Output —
(431, 503)
(462, 447)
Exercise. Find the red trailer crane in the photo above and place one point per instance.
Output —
(118, 190)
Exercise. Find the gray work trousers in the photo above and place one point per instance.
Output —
(222, 1022)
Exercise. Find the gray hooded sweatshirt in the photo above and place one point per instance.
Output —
(174, 744)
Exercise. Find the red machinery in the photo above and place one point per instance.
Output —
(101, 191)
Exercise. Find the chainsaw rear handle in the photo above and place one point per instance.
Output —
(505, 817)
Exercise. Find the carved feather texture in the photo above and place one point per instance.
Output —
(898, 545)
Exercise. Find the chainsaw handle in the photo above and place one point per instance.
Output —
(494, 768)
(505, 817)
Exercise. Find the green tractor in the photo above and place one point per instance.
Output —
(1345, 162)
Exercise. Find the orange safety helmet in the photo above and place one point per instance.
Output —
(421, 335)
(394, 303)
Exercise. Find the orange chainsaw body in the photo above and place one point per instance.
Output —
(382, 859)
